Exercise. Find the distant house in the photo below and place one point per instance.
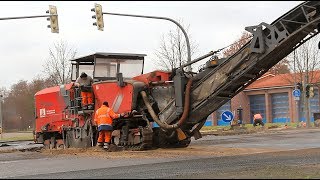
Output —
(271, 95)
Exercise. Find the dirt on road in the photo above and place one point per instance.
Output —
(192, 150)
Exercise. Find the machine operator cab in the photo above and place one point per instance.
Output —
(105, 66)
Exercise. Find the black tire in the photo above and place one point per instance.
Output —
(182, 144)
(163, 141)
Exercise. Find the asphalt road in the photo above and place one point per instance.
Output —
(288, 154)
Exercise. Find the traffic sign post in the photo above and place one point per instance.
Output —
(296, 94)
(227, 116)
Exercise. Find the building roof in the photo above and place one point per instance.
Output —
(269, 80)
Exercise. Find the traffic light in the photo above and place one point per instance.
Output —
(311, 93)
(308, 91)
(99, 16)
(53, 19)
(298, 86)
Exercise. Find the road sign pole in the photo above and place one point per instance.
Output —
(1, 125)
(296, 94)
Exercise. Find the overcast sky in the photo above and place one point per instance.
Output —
(25, 43)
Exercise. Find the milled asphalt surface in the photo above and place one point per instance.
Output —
(218, 167)
(6, 146)
(280, 139)
(38, 165)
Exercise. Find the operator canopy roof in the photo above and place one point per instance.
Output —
(105, 55)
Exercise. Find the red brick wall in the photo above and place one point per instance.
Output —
(242, 100)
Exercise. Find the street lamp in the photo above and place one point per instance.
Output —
(152, 17)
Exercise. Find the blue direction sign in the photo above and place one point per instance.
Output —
(296, 93)
(227, 116)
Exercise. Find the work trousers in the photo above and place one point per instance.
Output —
(86, 98)
(258, 121)
(104, 136)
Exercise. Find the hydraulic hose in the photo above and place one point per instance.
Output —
(184, 114)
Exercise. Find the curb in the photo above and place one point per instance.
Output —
(240, 131)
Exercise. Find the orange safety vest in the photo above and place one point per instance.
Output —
(104, 116)
(257, 116)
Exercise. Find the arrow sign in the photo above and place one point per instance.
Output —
(227, 116)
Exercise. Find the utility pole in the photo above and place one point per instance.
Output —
(1, 117)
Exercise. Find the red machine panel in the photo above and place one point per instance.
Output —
(154, 76)
(49, 109)
(119, 98)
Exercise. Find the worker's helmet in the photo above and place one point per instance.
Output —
(83, 74)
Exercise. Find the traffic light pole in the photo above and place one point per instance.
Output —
(24, 17)
(53, 18)
(164, 18)
(1, 119)
(306, 101)
(307, 91)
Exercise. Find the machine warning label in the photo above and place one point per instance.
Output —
(43, 112)
(51, 111)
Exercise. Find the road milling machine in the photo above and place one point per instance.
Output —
(166, 108)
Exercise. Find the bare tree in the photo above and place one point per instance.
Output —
(57, 66)
(281, 68)
(306, 59)
(17, 105)
(234, 47)
(18, 109)
(4, 92)
(172, 52)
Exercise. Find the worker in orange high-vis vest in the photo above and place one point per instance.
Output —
(257, 119)
(84, 82)
(103, 119)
